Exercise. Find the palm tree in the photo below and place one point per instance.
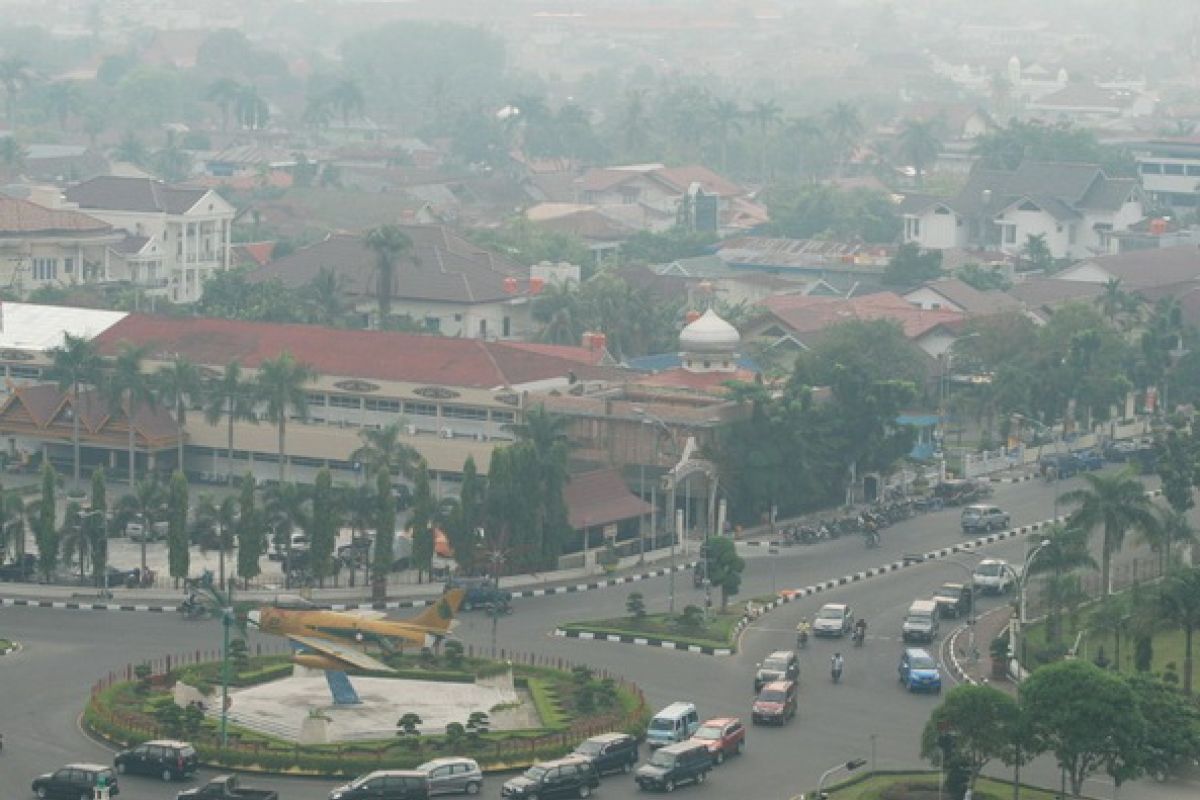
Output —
(230, 396)
(765, 114)
(727, 119)
(1115, 504)
(346, 97)
(131, 150)
(282, 384)
(389, 242)
(251, 109)
(224, 92)
(63, 99)
(76, 362)
(1066, 552)
(1036, 252)
(325, 297)
(14, 76)
(147, 502)
(1180, 600)
(845, 126)
(1173, 529)
(1113, 615)
(221, 518)
(382, 450)
(1115, 301)
(919, 144)
(127, 385)
(287, 510)
(179, 385)
(12, 154)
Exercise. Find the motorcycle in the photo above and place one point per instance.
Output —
(801, 640)
(192, 610)
(871, 539)
(859, 635)
(835, 672)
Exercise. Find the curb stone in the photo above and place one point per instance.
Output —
(646, 641)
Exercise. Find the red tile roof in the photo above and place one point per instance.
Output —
(21, 217)
(382, 355)
(600, 498)
(258, 252)
(812, 314)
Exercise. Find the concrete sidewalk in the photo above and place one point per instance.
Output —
(976, 667)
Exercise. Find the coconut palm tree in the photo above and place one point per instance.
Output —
(131, 150)
(919, 144)
(179, 385)
(14, 76)
(1173, 529)
(282, 386)
(389, 243)
(75, 362)
(128, 386)
(287, 509)
(147, 502)
(1115, 504)
(251, 109)
(727, 119)
(325, 297)
(382, 450)
(765, 114)
(845, 127)
(1066, 552)
(224, 92)
(1036, 252)
(231, 396)
(1180, 603)
(63, 99)
(346, 97)
(220, 519)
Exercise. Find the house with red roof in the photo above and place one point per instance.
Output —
(41, 246)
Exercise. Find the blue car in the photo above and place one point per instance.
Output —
(919, 672)
(1089, 460)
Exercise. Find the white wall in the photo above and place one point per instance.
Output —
(941, 231)
(928, 299)
(1034, 223)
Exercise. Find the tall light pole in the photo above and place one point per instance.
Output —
(674, 519)
(1019, 636)
(971, 600)
(1057, 440)
(849, 766)
(642, 492)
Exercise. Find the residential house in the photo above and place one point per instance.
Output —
(1040, 298)
(1074, 206)
(602, 234)
(1089, 105)
(1170, 170)
(445, 283)
(193, 226)
(59, 163)
(1152, 274)
(952, 294)
(42, 246)
(843, 266)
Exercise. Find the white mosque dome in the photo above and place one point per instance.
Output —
(709, 334)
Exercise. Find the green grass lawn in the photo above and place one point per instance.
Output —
(4, 645)
(716, 632)
(872, 788)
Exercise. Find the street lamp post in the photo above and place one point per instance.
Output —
(1019, 636)
(674, 516)
(849, 766)
(971, 600)
(642, 492)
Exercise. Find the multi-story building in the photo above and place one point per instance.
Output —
(1170, 171)
(191, 228)
(42, 246)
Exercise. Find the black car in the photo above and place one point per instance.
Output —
(609, 752)
(686, 762)
(162, 758)
(129, 578)
(393, 784)
(480, 593)
(567, 777)
(76, 782)
(953, 599)
(779, 666)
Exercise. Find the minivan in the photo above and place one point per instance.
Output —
(983, 518)
(162, 758)
(675, 723)
(387, 784)
(610, 752)
(782, 665)
(921, 622)
(673, 765)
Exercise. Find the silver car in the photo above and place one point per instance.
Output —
(453, 776)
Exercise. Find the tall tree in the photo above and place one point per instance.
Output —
(463, 536)
(725, 568)
(180, 385)
(1066, 552)
(1115, 504)
(282, 384)
(845, 127)
(224, 92)
(1180, 599)
(325, 297)
(251, 110)
(546, 435)
(12, 525)
(1035, 253)
(919, 144)
(346, 96)
(73, 539)
(178, 555)
(421, 519)
(15, 75)
(146, 502)
(382, 450)
(251, 535)
(46, 531)
(75, 362)
(130, 389)
(324, 526)
(385, 534)
(231, 396)
(1173, 529)
(389, 243)
(985, 722)
(765, 114)
(727, 119)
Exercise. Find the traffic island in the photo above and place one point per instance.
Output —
(505, 713)
(921, 785)
(688, 631)
(7, 647)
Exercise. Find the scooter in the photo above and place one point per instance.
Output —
(836, 672)
(801, 640)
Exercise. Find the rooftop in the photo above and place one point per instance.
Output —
(112, 193)
(23, 218)
(38, 328)
(811, 314)
(600, 498)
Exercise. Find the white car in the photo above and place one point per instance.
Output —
(993, 576)
(834, 619)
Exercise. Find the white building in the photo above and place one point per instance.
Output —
(1170, 171)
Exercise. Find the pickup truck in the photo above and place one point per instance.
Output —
(225, 787)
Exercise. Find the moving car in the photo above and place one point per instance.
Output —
(453, 775)
(723, 736)
(776, 703)
(481, 592)
(226, 787)
(75, 781)
(609, 752)
(918, 671)
(393, 784)
(953, 599)
(780, 665)
(162, 758)
(921, 622)
(977, 518)
(834, 619)
(675, 723)
(566, 777)
(992, 576)
(679, 763)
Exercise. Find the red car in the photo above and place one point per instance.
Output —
(724, 736)
(776, 703)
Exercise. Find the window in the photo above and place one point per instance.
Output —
(458, 317)
(629, 195)
(506, 327)
(1010, 234)
(421, 409)
(463, 412)
(941, 210)
(68, 265)
(1172, 169)
(316, 400)
(343, 401)
(382, 404)
(45, 269)
(1193, 170)
(503, 416)
(1150, 168)
(433, 324)
(18, 371)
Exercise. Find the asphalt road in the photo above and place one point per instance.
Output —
(868, 715)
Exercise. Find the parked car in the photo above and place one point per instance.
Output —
(977, 518)
(992, 576)
(1058, 465)
(128, 578)
(834, 619)
(921, 622)
(780, 665)
(481, 592)
(918, 671)
(226, 787)
(21, 569)
(675, 723)
(686, 762)
(75, 781)
(453, 775)
(723, 736)
(565, 777)
(609, 752)
(162, 758)
(776, 703)
(953, 599)
(385, 784)
(1120, 450)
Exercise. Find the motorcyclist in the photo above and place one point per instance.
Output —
(835, 667)
(860, 630)
(802, 629)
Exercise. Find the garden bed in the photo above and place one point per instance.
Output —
(718, 632)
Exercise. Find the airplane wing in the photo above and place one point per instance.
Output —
(353, 658)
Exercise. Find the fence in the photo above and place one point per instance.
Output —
(1124, 575)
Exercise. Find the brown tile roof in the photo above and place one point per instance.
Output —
(22, 218)
(1041, 292)
(970, 299)
(683, 177)
(812, 314)
(44, 402)
(382, 355)
(601, 498)
(442, 266)
(113, 193)
(1138, 269)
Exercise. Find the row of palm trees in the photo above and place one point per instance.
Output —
(278, 390)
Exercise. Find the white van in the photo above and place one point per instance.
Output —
(675, 723)
(921, 622)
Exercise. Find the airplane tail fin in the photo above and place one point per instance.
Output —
(439, 615)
